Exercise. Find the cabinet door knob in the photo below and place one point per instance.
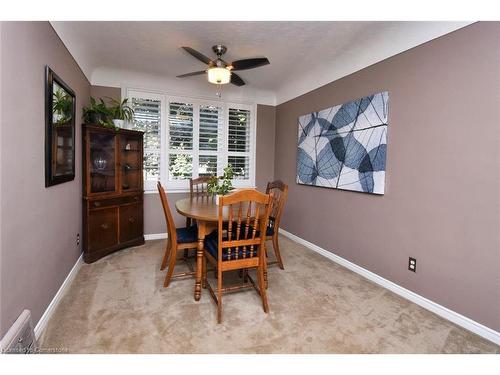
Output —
(131, 219)
(97, 204)
(104, 226)
(136, 198)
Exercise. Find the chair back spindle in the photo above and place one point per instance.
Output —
(198, 187)
(245, 233)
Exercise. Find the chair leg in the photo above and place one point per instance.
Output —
(264, 267)
(165, 256)
(171, 266)
(277, 251)
(245, 275)
(188, 222)
(262, 288)
(219, 296)
(204, 273)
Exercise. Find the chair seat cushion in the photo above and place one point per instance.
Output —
(187, 235)
(212, 246)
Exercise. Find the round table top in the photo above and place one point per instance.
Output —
(202, 208)
(199, 208)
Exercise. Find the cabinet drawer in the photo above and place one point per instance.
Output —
(99, 203)
(131, 222)
(102, 228)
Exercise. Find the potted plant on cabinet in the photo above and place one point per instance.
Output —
(121, 112)
(221, 185)
(97, 113)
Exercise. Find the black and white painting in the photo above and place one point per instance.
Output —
(344, 147)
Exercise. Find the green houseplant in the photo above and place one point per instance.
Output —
(97, 113)
(62, 105)
(121, 112)
(221, 185)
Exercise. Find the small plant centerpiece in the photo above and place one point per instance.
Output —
(221, 185)
(97, 113)
(121, 112)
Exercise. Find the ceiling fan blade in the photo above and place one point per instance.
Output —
(236, 80)
(200, 56)
(249, 63)
(192, 74)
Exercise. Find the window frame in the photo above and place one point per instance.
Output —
(222, 155)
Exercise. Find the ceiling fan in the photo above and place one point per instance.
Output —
(219, 71)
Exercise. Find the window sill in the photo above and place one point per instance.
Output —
(174, 191)
(168, 191)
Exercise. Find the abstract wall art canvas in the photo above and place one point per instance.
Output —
(344, 147)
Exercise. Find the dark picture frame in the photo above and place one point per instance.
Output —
(60, 112)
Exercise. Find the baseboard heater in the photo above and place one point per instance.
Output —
(20, 338)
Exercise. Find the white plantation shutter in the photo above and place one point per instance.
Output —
(207, 165)
(239, 130)
(180, 141)
(211, 128)
(241, 166)
(239, 139)
(147, 118)
(210, 136)
(180, 126)
(186, 138)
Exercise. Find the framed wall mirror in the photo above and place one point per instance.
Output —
(60, 109)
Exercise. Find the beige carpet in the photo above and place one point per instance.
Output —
(118, 305)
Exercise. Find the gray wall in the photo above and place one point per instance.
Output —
(38, 224)
(442, 200)
(105, 93)
(266, 139)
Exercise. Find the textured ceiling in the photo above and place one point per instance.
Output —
(316, 51)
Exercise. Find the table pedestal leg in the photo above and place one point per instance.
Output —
(199, 260)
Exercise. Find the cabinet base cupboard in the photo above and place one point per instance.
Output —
(112, 190)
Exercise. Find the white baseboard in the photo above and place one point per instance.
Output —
(463, 321)
(155, 236)
(42, 323)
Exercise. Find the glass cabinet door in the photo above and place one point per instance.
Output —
(131, 163)
(102, 163)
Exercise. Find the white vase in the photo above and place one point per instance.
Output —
(217, 197)
(119, 123)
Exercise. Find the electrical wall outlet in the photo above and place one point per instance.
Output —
(77, 239)
(412, 264)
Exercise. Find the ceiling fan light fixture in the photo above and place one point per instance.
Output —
(219, 76)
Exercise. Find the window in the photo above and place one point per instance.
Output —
(187, 138)
(239, 142)
(148, 118)
(210, 140)
(180, 141)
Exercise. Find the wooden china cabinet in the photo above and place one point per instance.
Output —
(112, 190)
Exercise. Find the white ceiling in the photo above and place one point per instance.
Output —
(303, 55)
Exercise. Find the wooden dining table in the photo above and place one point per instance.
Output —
(205, 211)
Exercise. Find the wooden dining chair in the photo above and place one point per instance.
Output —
(198, 187)
(280, 192)
(178, 239)
(239, 244)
